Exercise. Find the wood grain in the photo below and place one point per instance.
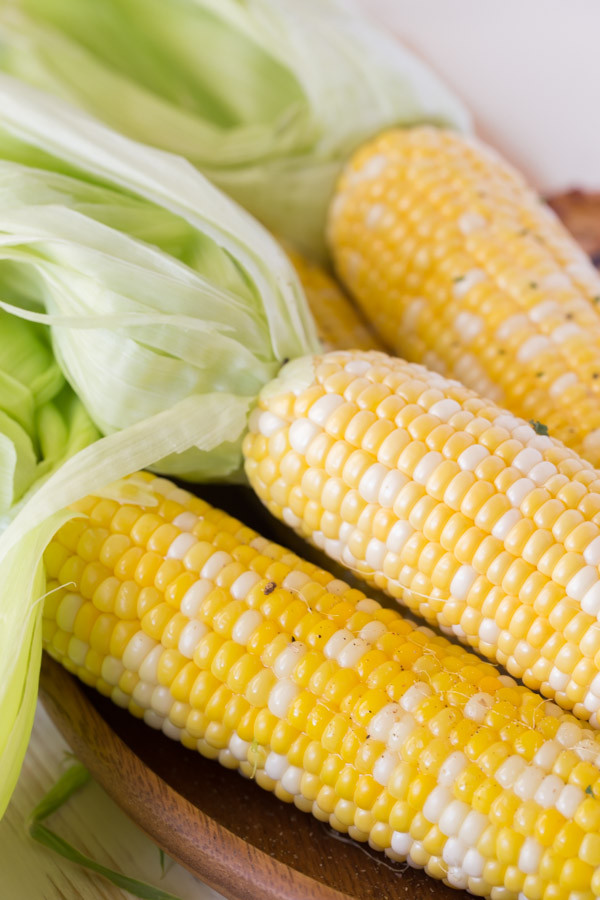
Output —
(236, 837)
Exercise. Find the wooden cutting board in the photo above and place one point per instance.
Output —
(233, 835)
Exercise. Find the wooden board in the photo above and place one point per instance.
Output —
(236, 837)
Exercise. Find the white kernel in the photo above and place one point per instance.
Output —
(243, 584)
(301, 434)
(557, 679)
(468, 326)
(453, 817)
(383, 721)
(186, 521)
(543, 310)
(384, 767)
(530, 856)
(401, 843)
(336, 586)
(478, 706)
(390, 487)
(374, 214)
(519, 490)
(281, 696)
(290, 518)
(462, 582)
(473, 863)
(591, 702)
(591, 554)
(531, 347)
(178, 495)
(238, 747)
(171, 731)
(555, 281)
(565, 332)
(142, 694)
(180, 546)
(368, 605)
(357, 366)
(292, 779)
(568, 734)
(276, 765)
(215, 563)
(400, 731)
(161, 486)
(148, 670)
(370, 484)
(470, 458)
(427, 466)
(337, 642)
(595, 685)
(469, 222)
(349, 559)
(445, 409)
(451, 768)
(190, 635)
(137, 650)
(246, 625)
(153, 719)
(562, 383)
(352, 652)
(508, 772)
(581, 582)
(375, 554)
(437, 801)
(489, 631)
(546, 755)
(524, 433)
(458, 878)
(569, 800)
(528, 782)
(398, 535)
(414, 696)
(473, 827)
(454, 853)
(542, 472)
(318, 539)
(194, 597)
(112, 669)
(322, 408)
(587, 749)
(162, 700)
(288, 659)
(549, 791)
(372, 168)
(295, 580)
(463, 285)
(269, 423)
(525, 459)
(518, 322)
(372, 631)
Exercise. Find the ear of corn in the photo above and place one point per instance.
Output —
(340, 325)
(462, 267)
(455, 507)
(239, 649)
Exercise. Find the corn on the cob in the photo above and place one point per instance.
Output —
(455, 507)
(462, 267)
(239, 649)
(340, 325)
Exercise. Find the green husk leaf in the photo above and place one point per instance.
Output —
(75, 777)
(279, 96)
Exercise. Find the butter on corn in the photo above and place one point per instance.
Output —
(239, 649)
(457, 508)
(461, 266)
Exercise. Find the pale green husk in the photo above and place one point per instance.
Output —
(169, 308)
(267, 97)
